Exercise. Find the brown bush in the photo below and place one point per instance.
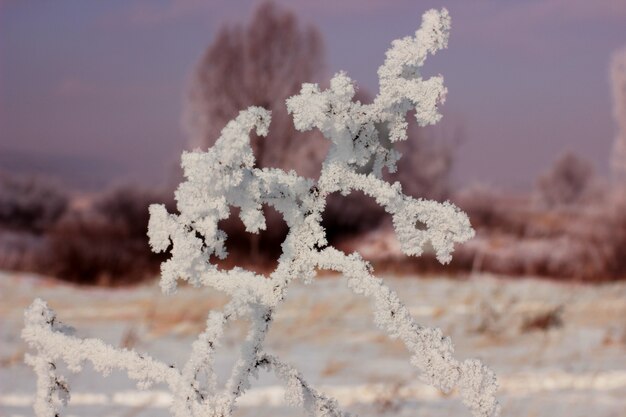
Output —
(29, 207)
(581, 240)
(21, 250)
(30, 204)
(615, 235)
(106, 242)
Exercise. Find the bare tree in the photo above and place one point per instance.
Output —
(567, 182)
(261, 64)
(618, 81)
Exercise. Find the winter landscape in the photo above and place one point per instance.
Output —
(558, 350)
(296, 237)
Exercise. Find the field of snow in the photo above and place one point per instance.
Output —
(558, 349)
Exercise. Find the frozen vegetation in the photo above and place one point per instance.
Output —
(559, 349)
(225, 176)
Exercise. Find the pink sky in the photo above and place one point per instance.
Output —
(92, 91)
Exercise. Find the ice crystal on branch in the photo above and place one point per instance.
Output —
(225, 176)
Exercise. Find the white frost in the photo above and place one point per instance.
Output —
(225, 176)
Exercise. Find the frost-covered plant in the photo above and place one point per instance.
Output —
(226, 176)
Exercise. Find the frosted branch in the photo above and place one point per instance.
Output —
(226, 176)
(299, 393)
(431, 351)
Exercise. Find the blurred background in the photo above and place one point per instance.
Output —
(98, 100)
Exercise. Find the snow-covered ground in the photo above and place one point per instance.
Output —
(559, 350)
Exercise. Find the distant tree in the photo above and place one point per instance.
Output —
(261, 64)
(567, 182)
(618, 81)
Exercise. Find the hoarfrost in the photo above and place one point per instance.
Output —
(225, 176)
